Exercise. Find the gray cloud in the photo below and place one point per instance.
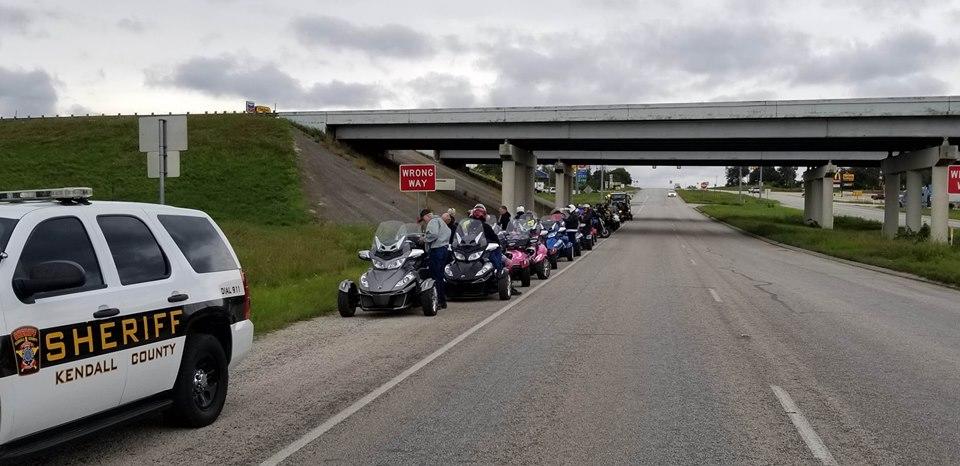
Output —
(389, 40)
(26, 93)
(14, 20)
(897, 64)
(131, 25)
(442, 90)
(232, 76)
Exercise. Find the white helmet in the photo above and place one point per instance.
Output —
(572, 207)
(520, 209)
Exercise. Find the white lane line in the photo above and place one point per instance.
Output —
(716, 297)
(316, 432)
(810, 437)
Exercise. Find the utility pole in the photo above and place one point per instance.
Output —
(760, 183)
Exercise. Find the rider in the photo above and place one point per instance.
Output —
(572, 223)
(479, 212)
(521, 211)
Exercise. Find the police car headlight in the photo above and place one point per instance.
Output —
(475, 256)
(406, 279)
(486, 268)
(363, 281)
(459, 256)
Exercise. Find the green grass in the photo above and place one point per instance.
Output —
(954, 213)
(721, 197)
(238, 167)
(581, 198)
(852, 238)
(241, 169)
(294, 270)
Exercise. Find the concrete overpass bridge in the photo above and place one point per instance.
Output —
(901, 135)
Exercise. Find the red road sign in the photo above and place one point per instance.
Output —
(418, 177)
(953, 179)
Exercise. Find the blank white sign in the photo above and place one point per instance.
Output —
(173, 164)
(150, 132)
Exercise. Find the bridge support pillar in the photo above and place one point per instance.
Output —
(565, 179)
(891, 205)
(818, 194)
(936, 159)
(914, 199)
(519, 171)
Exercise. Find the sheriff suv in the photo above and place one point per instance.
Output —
(110, 310)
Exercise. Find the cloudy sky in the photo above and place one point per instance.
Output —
(203, 55)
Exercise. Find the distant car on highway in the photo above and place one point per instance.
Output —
(671, 194)
(754, 190)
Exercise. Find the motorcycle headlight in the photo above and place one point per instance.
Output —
(486, 268)
(363, 281)
(459, 256)
(475, 256)
(406, 279)
(388, 265)
(551, 235)
(448, 271)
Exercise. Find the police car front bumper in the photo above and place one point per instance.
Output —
(242, 339)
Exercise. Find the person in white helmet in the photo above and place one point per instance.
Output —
(520, 212)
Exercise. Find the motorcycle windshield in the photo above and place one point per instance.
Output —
(518, 227)
(390, 236)
(469, 234)
(548, 223)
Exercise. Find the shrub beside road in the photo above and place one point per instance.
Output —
(852, 238)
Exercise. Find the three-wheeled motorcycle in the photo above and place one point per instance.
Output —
(471, 274)
(398, 278)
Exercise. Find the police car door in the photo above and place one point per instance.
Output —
(151, 286)
(63, 364)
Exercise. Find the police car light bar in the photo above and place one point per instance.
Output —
(54, 194)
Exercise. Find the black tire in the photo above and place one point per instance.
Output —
(428, 300)
(553, 261)
(570, 254)
(577, 250)
(503, 286)
(201, 386)
(344, 306)
(589, 245)
(525, 277)
(543, 270)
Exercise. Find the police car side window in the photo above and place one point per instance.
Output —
(200, 243)
(61, 239)
(135, 251)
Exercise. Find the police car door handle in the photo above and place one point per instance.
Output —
(108, 312)
(176, 298)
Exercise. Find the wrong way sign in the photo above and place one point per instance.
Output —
(418, 177)
(953, 179)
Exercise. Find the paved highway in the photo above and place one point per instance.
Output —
(795, 200)
(677, 340)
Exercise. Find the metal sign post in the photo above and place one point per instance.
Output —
(740, 185)
(163, 156)
(162, 137)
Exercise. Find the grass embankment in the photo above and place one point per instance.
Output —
(954, 213)
(852, 238)
(241, 169)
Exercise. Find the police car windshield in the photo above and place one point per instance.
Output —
(6, 228)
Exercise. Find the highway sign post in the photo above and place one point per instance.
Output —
(953, 179)
(160, 135)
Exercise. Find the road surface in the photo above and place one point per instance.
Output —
(677, 340)
(795, 200)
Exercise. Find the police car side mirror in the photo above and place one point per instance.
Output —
(49, 276)
(364, 255)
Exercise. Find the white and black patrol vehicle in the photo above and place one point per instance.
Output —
(111, 310)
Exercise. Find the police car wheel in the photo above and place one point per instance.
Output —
(201, 386)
